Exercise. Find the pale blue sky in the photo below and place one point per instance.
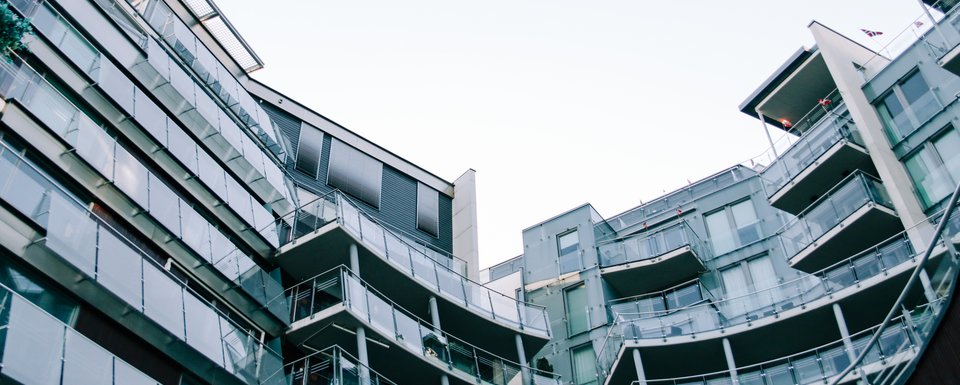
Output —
(554, 103)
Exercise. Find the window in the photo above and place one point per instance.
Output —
(935, 167)
(733, 226)
(577, 315)
(428, 209)
(568, 244)
(355, 173)
(906, 106)
(308, 150)
(584, 365)
(742, 279)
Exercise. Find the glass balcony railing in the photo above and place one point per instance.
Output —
(680, 296)
(649, 245)
(717, 314)
(107, 257)
(855, 191)
(822, 127)
(332, 365)
(820, 365)
(340, 286)
(48, 22)
(208, 99)
(102, 152)
(37, 348)
(437, 274)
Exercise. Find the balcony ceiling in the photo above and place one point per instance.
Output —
(798, 93)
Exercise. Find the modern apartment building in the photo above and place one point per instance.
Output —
(783, 269)
(169, 220)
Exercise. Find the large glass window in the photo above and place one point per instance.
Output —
(568, 246)
(355, 173)
(733, 226)
(577, 316)
(428, 209)
(584, 365)
(308, 151)
(935, 167)
(909, 104)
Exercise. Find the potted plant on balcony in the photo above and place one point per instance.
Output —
(12, 29)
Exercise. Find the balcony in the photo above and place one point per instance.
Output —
(150, 129)
(823, 364)
(862, 284)
(75, 246)
(410, 349)
(332, 365)
(680, 296)
(37, 348)
(35, 103)
(830, 148)
(855, 212)
(652, 260)
(332, 223)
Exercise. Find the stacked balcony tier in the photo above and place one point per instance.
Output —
(829, 149)
(318, 236)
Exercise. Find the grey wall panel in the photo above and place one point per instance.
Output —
(398, 203)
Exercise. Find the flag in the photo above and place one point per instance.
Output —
(918, 23)
(823, 102)
(871, 33)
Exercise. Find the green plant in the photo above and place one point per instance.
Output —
(12, 29)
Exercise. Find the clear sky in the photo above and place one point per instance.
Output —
(554, 103)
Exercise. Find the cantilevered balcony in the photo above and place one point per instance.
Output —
(855, 212)
(318, 236)
(328, 307)
(863, 285)
(897, 345)
(37, 348)
(829, 149)
(86, 151)
(686, 294)
(332, 365)
(652, 260)
(48, 228)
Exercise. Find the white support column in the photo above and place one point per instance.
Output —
(927, 286)
(354, 259)
(434, 313)
(638, 365)
(844, 332)
(522, 359)
(444, 380)
(362, 356)
(731, 365)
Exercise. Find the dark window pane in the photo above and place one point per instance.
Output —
(308, 152)
(355, 173)
(428, 210)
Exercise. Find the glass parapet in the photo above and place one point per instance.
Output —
(146, 113)
(105, 256)
(116, 164)
(340, 286)
(855, 191)
(433, 270)
(649, 245)
(822, 128)
(824, 363)
(37, 348)
(332, 365)
(683, 295)
(716, 314)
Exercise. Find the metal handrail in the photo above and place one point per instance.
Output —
(910, 282)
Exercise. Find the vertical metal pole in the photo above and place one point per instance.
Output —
(363, 357)
(766, 131)
(354, 259)
(844, 332)
(522, 359)
(927, 287)
(434, 313)
(936, 26)
(638, 365)
(731, 365)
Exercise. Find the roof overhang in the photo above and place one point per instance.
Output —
(792, 90)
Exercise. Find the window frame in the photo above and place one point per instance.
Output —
(566, 307)
(575, 252)
(929, 150)
(296, 161)
(894, 133)
(733, 226)
(573, 364)
(421, 187)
